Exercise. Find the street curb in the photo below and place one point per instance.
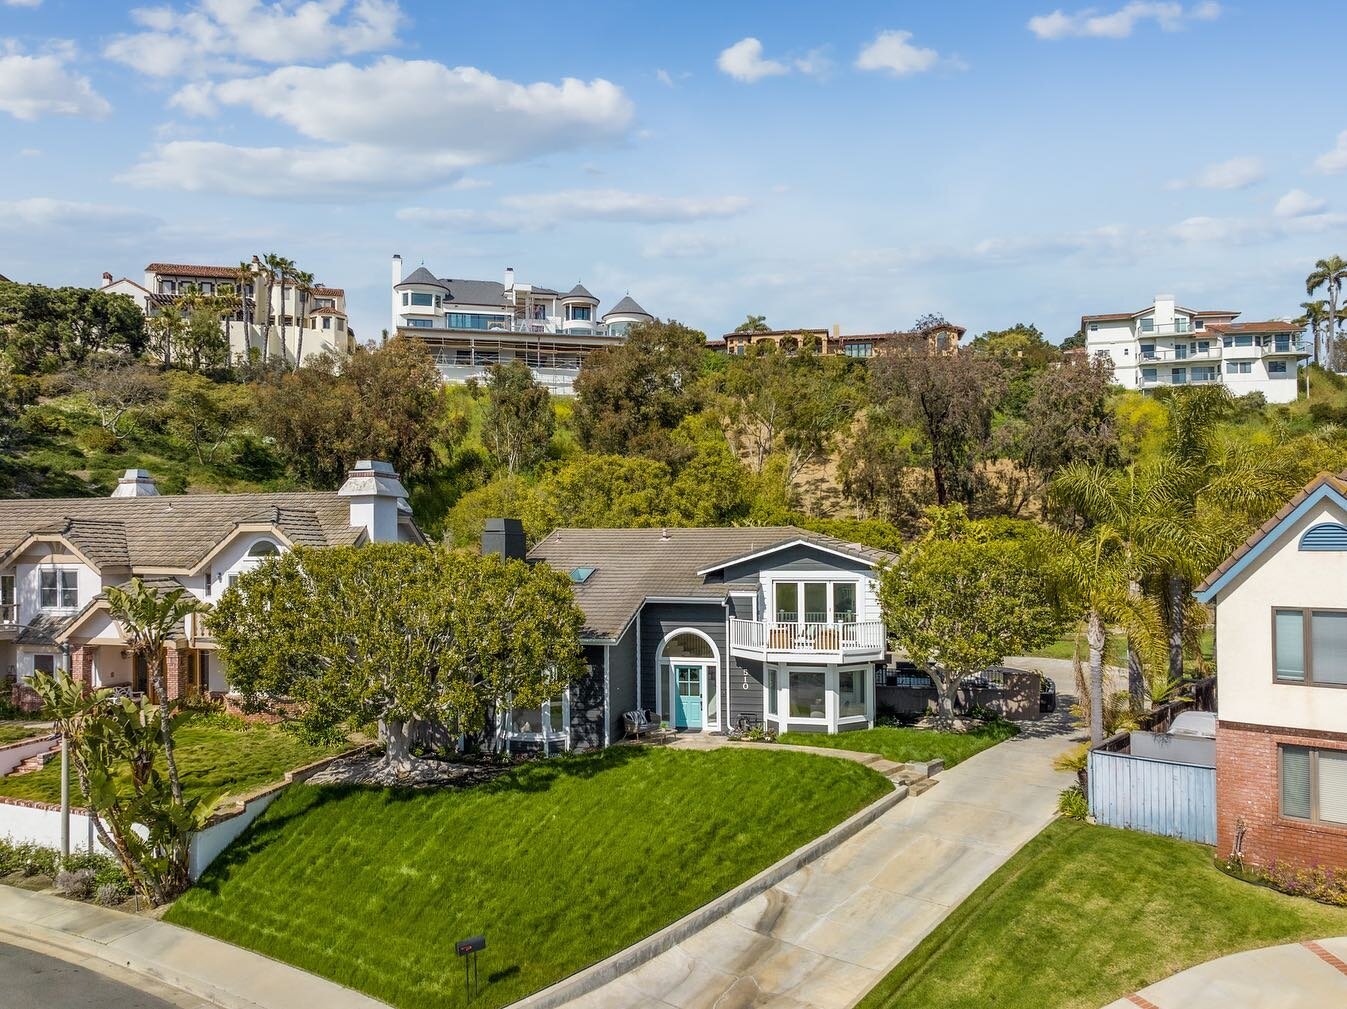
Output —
(624, 961)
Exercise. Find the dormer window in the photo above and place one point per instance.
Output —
(58, 589)
(263, 548)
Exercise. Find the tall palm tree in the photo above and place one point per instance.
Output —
(303, 281)
(281, 270)
(243, 276)
(1315, 317)
(1329, 274)
(150, 618)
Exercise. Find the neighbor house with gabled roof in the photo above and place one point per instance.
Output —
(469, 325)
(58, 555)
(1280, 604)
(712, 629)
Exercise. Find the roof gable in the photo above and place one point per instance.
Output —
(1324, 487)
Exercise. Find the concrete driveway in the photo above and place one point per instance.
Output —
(1308, 975)
(825, 935)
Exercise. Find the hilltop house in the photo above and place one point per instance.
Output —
(710, 629)
(1165, 344)
(942, 338)
(1281, 645)
(469, 325)
(314, 320)
(57, 555)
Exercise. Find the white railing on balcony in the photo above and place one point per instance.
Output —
(807, 637)
(1170, 355)
(9, 613)
(1181, 327)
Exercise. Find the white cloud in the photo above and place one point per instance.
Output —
(1119, 24)
(30, 152)
(1334, 162)
(539, 211)
(815, 63)
(1250, 230)
(23, 3)
(393, 124)
(44, 85)
(745, 63)
(682, 245)
(663, 77)
(44, 214)
(1236, 173)
(215, 35)
(893, 53)
(1298, 203)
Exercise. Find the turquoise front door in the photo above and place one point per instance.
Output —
(688, 697)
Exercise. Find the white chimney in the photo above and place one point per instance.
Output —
(1164, 310)
(509, 277)
(136, 483)
(107, 279)
(397, 303)
(377, 497)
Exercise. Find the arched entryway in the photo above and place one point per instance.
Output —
(687, 665)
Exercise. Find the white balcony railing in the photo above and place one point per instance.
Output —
(9, 613)
(824, 638)
(1170, 355)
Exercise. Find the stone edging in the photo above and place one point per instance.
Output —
(239, 804)
(627, 960)
(38, 734)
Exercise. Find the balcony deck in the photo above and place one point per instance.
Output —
(773, 641)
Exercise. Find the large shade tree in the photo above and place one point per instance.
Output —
(398, 634)
(960, 601)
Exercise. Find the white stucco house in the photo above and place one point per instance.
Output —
(315, 321)
(1165, 345)
(469, 325)
(57, 556)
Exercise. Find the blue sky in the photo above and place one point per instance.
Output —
(817, 163)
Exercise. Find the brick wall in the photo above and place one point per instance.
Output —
(174, 673)
(82, 664)
(1248, 788)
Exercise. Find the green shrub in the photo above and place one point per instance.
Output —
(96, 440)
(1072, 803)
(29, 859)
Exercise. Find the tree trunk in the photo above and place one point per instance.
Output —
(1136, 681)
(941, 491)
(945, 691)
(397, 737)
(165, 725)
(284, 327)
(1177, 588)
(1332, 323)
(1095, 637)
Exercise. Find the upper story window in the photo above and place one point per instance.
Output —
(1148, 325)
(814, 602)
(263, 548)
(1309, 647)
(327, 322)
(167, 287)
(58, 588)
(405, 298)
(1094, 327)
(422, 300)
(582, 312)
(1239, 367)
(1199, 324)
(420, 323)
(8, 613)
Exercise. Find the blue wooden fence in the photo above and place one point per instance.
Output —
(1155, 796)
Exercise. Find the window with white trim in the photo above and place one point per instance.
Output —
(1314, 784)
(44, 663)
(58, 588)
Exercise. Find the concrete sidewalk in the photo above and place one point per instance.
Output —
(212, 971)
(1309, 975)
(824, 936)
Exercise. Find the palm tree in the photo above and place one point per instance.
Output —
(243, 276)
(149, 619)
(281, 270)
(303, 291)
(1329, 274)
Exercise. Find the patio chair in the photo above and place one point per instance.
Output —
(637, 724)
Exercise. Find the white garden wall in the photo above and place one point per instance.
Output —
(14, 754)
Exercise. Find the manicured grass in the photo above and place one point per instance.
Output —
(559, 862)
(12, 732)
(214, 761)
(1115, 654)
(906, 744)
(1084, 915)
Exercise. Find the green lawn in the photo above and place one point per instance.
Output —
(1115, 654)
(12, 732)
(1084, 915)
(559, 862)
(213, 760)
(908, 744)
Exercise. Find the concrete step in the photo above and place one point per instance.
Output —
(35, 762)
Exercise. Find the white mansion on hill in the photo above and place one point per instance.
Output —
(1165, 344)
(314, 320)
(470, 325)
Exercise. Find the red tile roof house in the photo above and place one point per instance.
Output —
(58, 554)
(1281, 648)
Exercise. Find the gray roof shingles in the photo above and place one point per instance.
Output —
(632, 565)
(173, 531)
(627, 306)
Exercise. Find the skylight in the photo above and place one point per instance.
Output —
(581, 575)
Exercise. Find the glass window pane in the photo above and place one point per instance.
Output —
(1328, 648)
(1296, 782)
(816, 602)
(787, 602)
(807, 694)
(712, 696)
(1290, 645)
(844, 602)
(1333, 786)
(850, 692)
(771, 690)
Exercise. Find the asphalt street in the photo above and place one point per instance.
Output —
(30, 980)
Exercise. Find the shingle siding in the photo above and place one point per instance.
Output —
(587, 703)
(621, 680)
(660, 619)
(743, 701)
(797, 558)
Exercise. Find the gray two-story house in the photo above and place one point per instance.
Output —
(711, 628)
